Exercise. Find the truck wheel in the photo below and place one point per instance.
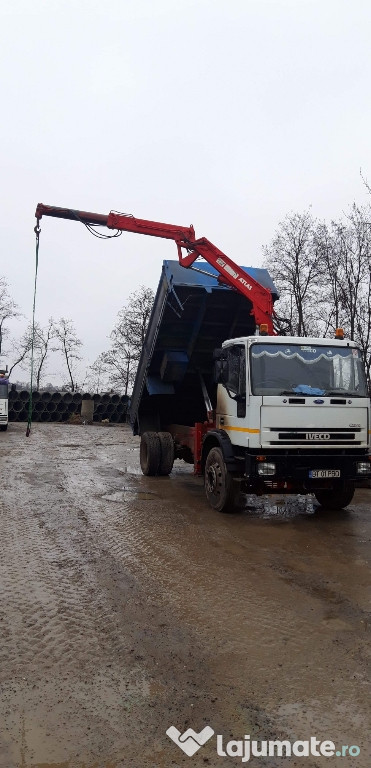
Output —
(150, 453)
(167, 453)
(337, 498)
(3, 427)
(221, 490)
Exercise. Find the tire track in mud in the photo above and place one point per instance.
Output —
(49, 628)
(291, 633)
(60, 618)
(170, 553)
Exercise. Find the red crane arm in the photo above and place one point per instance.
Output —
(229, 272)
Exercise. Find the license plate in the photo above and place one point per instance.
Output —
(324, 473)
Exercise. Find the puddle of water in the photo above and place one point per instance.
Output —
(279, 506)
(130, 470)
(138, 492)
(130, 494)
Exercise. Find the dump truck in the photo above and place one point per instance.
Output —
(216, 386)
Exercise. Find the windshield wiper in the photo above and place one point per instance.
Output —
(343, 392)
(306, 391)
(325, 393)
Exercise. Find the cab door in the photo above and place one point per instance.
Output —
(231, 398)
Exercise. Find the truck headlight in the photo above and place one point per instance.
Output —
(363, 467)
(266, 468)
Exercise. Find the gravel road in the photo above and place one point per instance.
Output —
(128, 605)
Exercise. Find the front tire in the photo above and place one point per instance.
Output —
(336, 498)
(3, 427)
(221, 490)
(150, 453)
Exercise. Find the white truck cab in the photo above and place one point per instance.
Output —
(297, 415)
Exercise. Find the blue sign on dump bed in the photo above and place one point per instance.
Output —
(192, 315)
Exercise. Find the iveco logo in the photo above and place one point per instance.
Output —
(317, 436)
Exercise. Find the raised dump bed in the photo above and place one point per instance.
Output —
(192, 315)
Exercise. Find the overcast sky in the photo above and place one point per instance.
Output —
(224, 114)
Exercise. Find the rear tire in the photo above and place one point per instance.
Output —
(150, 453)
(167, 453)
(3, 427)
(336, 498)
(221, 490)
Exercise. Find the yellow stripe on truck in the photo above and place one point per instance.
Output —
(241, 429)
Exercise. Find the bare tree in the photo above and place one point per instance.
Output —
(8, 308)
(363, 327)
(21, 349)
(353, 238)
(133, 319)
(365, 181)
(69, 344)
(120, 362)
(293, 260)
(42, 347)
(97, 375)
(326, 238)
(324, 275)
(127, 339)
(347, 256)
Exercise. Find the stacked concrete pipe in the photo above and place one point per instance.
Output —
(64, 406)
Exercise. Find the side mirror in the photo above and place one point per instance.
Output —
(220, 366)
(221, 371)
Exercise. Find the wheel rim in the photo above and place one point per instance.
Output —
(214, 480)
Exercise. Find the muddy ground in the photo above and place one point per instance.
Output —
(128, 605)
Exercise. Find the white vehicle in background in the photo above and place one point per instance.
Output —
(4, 390)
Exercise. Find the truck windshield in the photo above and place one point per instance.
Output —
(303, 369)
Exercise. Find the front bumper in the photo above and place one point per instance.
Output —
(294, 467)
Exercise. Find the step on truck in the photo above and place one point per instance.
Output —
(254, 412)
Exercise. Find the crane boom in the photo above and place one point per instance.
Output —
(229, 272)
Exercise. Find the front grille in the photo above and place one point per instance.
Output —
(330, 436)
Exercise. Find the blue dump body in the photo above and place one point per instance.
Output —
(192, 315)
